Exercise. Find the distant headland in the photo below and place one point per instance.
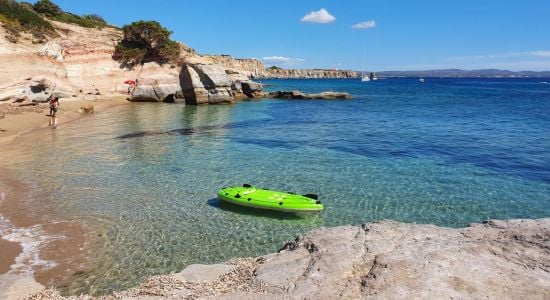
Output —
(485, 73)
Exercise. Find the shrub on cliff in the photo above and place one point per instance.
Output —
(47, 7)
(146, 41)
(53, 11)
(85, 21)
(20, 17)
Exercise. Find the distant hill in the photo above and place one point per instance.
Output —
(464, 73)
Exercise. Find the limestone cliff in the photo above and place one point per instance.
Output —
(79, 60)
(309, 73)
(79, 63)
(251, 68)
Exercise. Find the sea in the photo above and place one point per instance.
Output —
(449, 152)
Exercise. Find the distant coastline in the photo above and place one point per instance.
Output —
(443, 73)
(483, 73)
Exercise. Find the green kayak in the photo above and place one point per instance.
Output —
(250, 196)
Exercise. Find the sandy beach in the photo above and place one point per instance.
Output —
(63, 243)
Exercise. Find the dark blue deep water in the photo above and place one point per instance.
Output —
(447, 151)
(499, 124)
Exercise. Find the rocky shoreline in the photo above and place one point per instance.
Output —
(383, 260)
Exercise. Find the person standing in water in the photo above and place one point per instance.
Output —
(54, 104)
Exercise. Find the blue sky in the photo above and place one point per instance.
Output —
(407, 35)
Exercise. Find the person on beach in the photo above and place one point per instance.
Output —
(54, 104)
(132, 86)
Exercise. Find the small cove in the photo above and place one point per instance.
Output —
(448, 152)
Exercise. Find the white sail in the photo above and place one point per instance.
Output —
(363, 77)
(366, 77)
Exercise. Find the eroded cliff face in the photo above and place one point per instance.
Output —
(79, 63)
(251, 68)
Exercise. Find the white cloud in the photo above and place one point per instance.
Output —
(282, 61)
(321, 16)
(365, 25)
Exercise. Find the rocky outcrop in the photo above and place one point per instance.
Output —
(205, 84)
(380, 260)
(155, 86)
(35, 89)
(212, 84)
(309, 73)
(252, 89)
(155, 93)
(304, 96)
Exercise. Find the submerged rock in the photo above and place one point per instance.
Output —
(300, 95)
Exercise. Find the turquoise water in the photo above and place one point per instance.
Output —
(448, 152)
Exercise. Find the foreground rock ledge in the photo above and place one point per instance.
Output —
(381, 260)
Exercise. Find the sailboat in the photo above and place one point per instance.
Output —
(364, 76)
(372, 76)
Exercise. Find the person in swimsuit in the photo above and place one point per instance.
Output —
(54, 104)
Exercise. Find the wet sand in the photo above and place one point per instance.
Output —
(66, 246)
(8, 252)
(14, 125)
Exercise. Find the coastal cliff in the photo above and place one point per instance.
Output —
(308, 73)
(382, 260)
(78, 62)
(250, 67)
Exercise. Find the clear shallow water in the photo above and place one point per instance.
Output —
(448, 152)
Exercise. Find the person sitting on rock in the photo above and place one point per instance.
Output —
(54, 104)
